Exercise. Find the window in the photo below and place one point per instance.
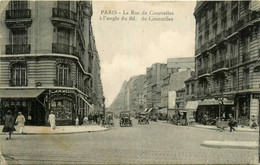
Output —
(234, 81)
(63, 75)
(18, 72)
(246, 43)
(234, 16)
(234, 48)
(192, 88)
(246, 79)
(64, 5)
(63, 36)
(215, 30)
(187, 89)
(224, 23)
(19, 37)
(18, 5)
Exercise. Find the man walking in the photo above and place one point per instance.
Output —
(231, 123)
(20, 120)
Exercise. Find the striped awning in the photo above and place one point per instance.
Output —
(20, 93)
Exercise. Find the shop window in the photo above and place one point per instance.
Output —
(19, 74)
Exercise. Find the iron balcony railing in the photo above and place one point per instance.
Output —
(220, 65)
(18, 49)
(66, 83)
(246, 86)
(64, 49)
(63, 13)
(18, 14)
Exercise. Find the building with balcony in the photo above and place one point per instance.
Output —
(47, 61)
(227, 53)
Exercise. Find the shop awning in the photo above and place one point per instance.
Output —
(20, 93)
(192, 105)
(163, 111)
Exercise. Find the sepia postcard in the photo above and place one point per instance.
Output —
(129, 82)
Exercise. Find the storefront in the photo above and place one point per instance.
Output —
(213, 108)
(247, 107)
(27, 101)
(62, 103)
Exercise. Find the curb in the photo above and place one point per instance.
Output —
(62, 133)
(231, 144)
(224, 130)
(2, 159)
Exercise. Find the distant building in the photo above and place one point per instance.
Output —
(180, 64)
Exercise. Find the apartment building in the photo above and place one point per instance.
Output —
(227, 59)
(46, 60)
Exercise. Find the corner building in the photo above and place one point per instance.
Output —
(227, 59)
(46, 60)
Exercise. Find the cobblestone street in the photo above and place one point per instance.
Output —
(156, 143)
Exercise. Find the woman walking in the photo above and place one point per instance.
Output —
(9, 124)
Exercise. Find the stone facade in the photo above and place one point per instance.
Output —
(47, 54)
(227, 58)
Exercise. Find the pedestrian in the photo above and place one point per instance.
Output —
(52, 120)
(253, 119)
(9, 124)
(77, 121)
(90, 118)
(85, 120)
(231, 123)
(20, 120)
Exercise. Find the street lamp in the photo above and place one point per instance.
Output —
(221, 104)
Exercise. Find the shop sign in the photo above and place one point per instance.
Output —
(62, 91)
(216, 102)
(256, 96)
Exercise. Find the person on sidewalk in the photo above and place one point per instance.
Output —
(231, 123)
(20, 120)
(254, 125)
(52, 120)
(77, 122)
(9, 124)
(85, 120)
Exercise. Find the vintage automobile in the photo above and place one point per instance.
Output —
(109, 118)
(143, 118)
(125, 119)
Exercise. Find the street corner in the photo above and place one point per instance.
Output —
(231, 144)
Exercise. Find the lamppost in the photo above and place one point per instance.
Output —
(221, 104)
(104, 109)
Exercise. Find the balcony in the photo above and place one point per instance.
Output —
(224, 64)
(68, 83)
(64, 49)
(245, 57)
(63, 17)
(18, 14)
(18, 18)
(18, 49)
(234, 62)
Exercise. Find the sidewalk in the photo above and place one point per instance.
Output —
(213, 127)
(59, 129)
(238, 129)
(231, 144)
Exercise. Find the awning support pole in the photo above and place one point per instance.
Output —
(40, 102)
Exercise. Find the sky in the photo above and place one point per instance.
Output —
(127, 48)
